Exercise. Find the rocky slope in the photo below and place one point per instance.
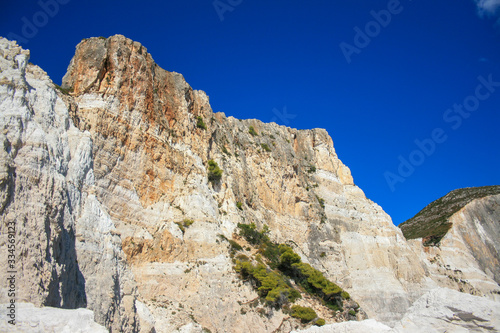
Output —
(440, 310)
(102, 175)
(467, 256)
(432, 223)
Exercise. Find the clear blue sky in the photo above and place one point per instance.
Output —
(268, 55)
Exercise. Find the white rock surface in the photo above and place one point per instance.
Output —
(67, 251)
(47, 319)
(468, 257)
(446, 310)
(438, 311)
(364, 326)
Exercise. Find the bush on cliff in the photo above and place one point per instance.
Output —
(305, 314)
(214, 172)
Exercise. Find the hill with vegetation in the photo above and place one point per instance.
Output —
(432, 222)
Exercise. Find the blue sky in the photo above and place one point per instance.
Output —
(404, 79)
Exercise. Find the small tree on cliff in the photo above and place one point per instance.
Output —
(214, 172)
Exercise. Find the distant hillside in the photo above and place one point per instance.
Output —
(431, 223)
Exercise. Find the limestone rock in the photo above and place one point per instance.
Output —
(101, 174)
(48, 319)
(67, 253)
(369, 325)
(446, 310)
(440, 310)
(139, 114)
(468, 255)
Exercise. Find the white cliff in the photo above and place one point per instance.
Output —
(101, 174)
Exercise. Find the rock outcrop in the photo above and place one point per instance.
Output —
(432, 223)
(48, 319)
(467, 256)
(440, 310)
(143, 116)
(67, 252)
(106, 180)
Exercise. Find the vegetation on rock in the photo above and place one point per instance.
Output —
(65, 91)
(320, 322)
(432, 222)
(184, 224)
(271, 277)
(200, 123)
(305, 314)
(252, 131)
(312, 169)
(265, 147)
(214, 172)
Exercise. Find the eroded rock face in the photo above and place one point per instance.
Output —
(40, 190)
(100, 179)
(150, 171)
(67, 252)
(468, 257)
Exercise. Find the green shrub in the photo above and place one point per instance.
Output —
(313, 280)
(200, 123)
(265, 147)
(334, 307)
(225, 151)
(181, 226)
(235, 246)
(270, 284)
(288, 257)
(320, 322)
(65, 91)
(352, 312)
(322, 255)
(271, 251)
(252, 235)
(187, 222)
(321, 202)
(239, 205)
(242, 257)
(214, 172)
(311, 169)
(283, 260)
(252, 131)
(305, 314)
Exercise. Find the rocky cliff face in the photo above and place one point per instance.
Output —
(433, 222)
(467, 257)
(101, 174)
(67, 249)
